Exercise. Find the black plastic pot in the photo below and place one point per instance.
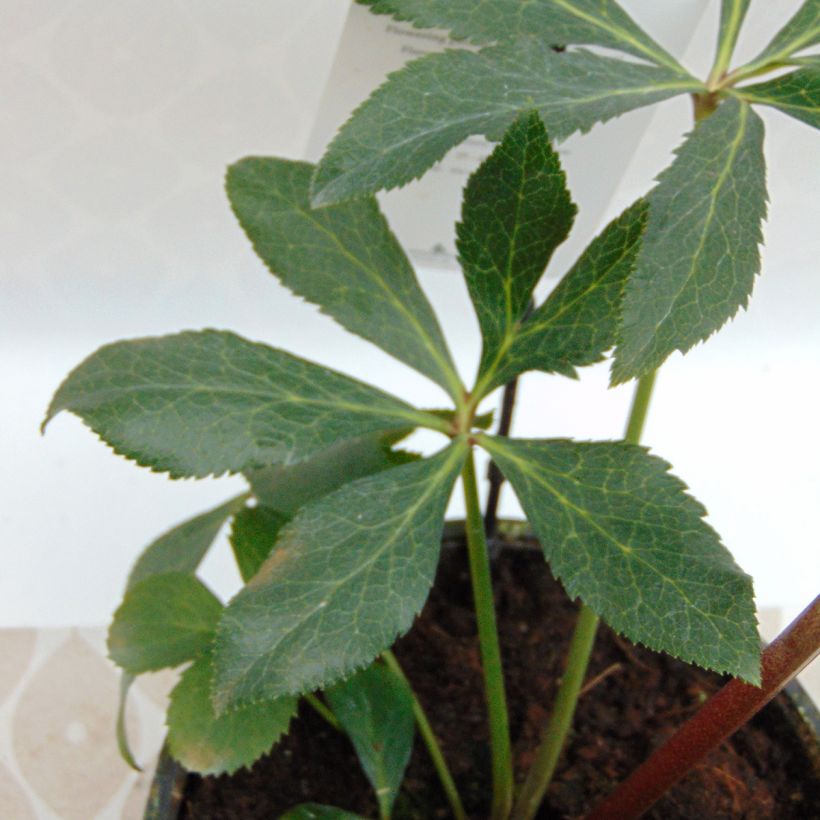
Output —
(791, 717)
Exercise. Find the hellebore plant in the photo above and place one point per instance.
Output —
(338, 536)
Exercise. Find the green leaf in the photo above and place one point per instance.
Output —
(343, 258)
(123, 746)
(253, 533)
(559, 22)
(375, 708)
(578, 321)
(796, 94)
(516, 211)
(348, 574)
(623, 535)
(732, 14)
(211, 745)
(699, 255)
(315, 811)
(163, 621)
(180, 550)
(436, 102)
(195, 404)
(800, 32)
(183, 548)
(282, 490)
(287, 488)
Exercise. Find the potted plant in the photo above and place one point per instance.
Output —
(338, 537)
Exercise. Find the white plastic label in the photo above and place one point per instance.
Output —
(424, 213)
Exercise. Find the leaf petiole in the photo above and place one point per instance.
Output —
(732, 15)
(640, 408)
(322, 710)
(490, 649)
(749, 72)
(560, 722)
(430, 741)
(557, 729)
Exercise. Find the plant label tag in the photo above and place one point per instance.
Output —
(423, 214)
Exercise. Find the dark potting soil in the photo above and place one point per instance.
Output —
(633, 699)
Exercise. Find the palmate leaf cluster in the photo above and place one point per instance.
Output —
(337, 538)
(435, 102)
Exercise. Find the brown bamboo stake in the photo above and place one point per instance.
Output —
(725, 712)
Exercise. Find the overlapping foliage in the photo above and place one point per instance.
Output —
(337, 538)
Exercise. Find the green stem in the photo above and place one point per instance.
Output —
(324, 711)
(557, 729)
(731, 19)
(560, 722)
(640, 408)
(753, 70)
(430, 741)
(757, 68)
(490, 649)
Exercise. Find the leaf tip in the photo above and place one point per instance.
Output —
(752, 675)
(123, 746)
(320, 198)
(619, 373)
(323, 185)
(50, 413)
(56, 405)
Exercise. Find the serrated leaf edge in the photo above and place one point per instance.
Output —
(439, 353)
(245, 704)
(224, 703)
(412, 416)
(620, 374)
(697, 506)
(136, 672)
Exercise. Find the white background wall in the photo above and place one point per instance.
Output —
(116, 123)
